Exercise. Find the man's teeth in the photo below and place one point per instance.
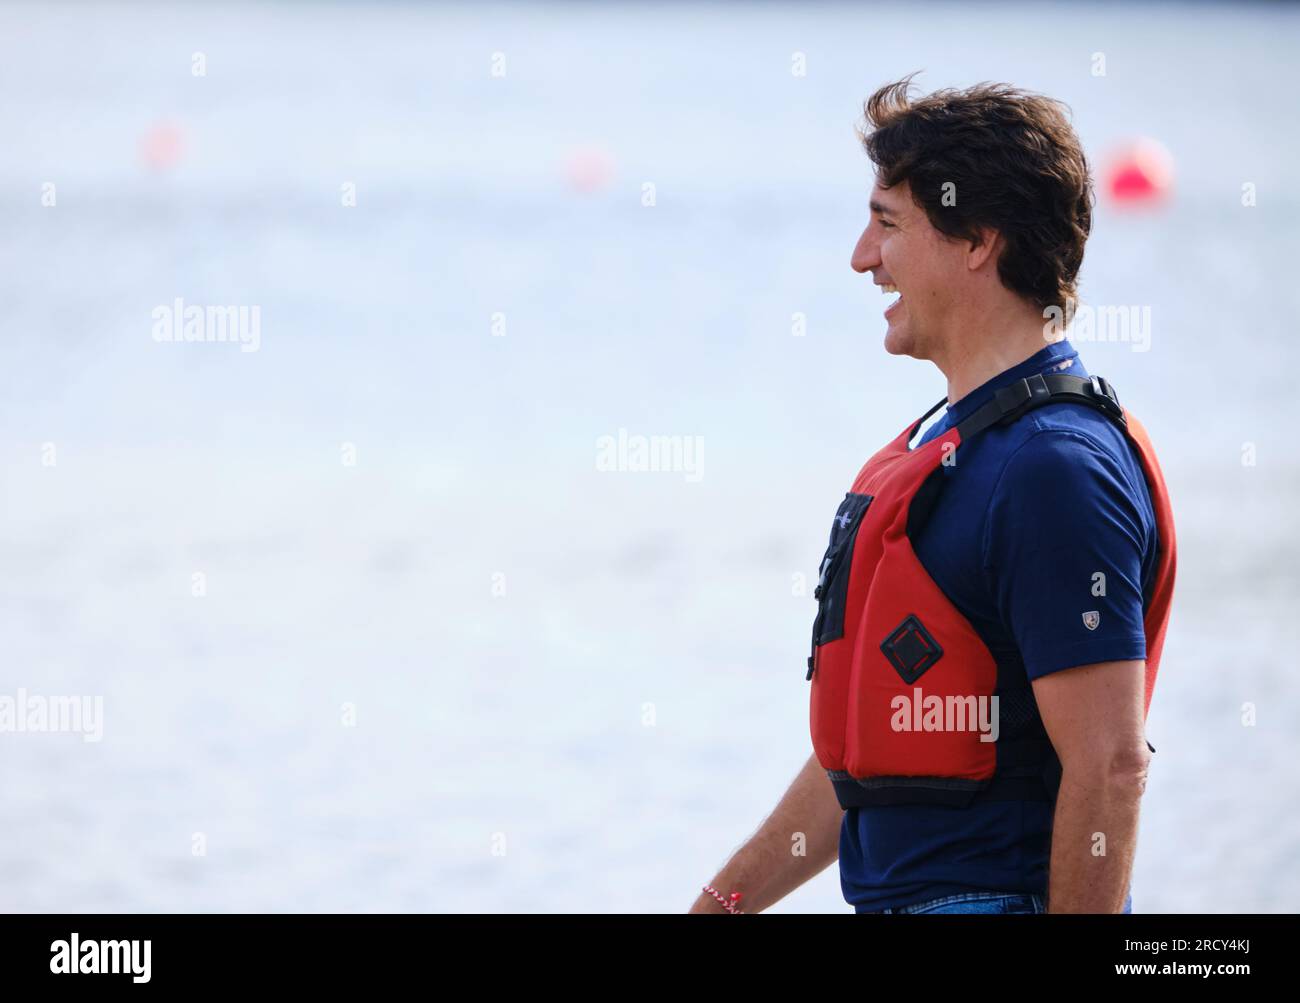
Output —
(887, 287)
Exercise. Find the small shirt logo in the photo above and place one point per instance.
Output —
(1091, 619)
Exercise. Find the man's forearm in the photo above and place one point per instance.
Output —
(797, 841)
(1094, 839)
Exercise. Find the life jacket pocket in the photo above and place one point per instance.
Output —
(833, 576)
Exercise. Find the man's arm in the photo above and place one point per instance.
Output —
(1068, 531)
(766, 868)
(1094, 717)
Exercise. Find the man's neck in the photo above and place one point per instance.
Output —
(983, 351)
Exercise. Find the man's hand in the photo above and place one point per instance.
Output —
(767, 868)
(1094, 716)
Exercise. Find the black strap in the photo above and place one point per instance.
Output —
(955, 793)
(921, 420)
(1012, 401)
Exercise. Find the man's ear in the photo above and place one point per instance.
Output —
(983, 248)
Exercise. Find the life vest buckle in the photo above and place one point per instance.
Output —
(1019, 397)
(1104, 394)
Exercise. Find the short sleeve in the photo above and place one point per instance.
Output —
(1064, 544)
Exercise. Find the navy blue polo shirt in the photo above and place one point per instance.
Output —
(1031, 513)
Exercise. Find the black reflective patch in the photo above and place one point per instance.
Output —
(911, 650)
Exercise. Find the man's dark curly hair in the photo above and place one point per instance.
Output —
(1015, 165)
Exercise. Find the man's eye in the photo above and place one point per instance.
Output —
(887, 226)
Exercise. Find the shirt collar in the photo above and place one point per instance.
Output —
(1054, 356)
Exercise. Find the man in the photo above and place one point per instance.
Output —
(995, 595)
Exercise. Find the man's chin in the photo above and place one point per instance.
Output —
(897, 341)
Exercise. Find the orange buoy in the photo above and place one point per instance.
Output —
(1140, 173)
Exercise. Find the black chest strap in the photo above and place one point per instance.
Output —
(1013, 400)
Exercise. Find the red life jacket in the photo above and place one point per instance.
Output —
(887, 640)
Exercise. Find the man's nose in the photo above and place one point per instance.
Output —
(866, 255)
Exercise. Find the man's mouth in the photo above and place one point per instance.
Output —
(889, 289)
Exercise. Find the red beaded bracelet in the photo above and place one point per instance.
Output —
(727, 903)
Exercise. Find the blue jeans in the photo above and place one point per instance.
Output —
(995, 903)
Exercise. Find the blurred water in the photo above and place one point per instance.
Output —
(522, 717)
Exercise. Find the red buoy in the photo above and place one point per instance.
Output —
(589, 169)
(162, 146)
(1140, 173)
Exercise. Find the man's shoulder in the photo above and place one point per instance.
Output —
(1069, 431)
(1068, 453)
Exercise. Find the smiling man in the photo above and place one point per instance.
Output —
(994, 598)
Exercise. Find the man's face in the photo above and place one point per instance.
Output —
(900, 248)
